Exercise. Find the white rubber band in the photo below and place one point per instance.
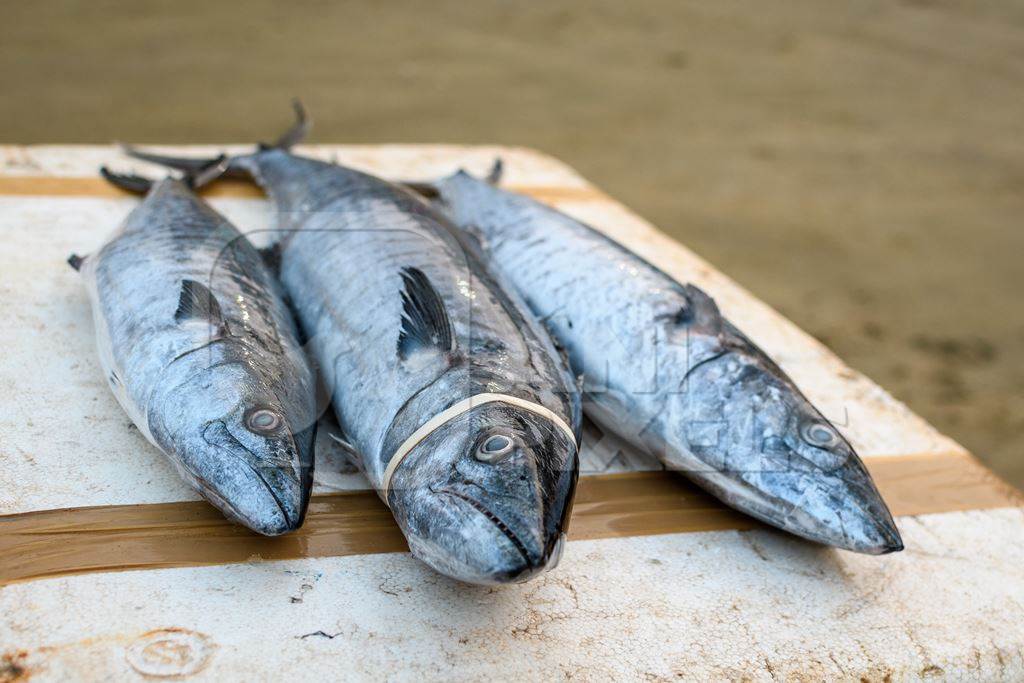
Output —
(453, 412)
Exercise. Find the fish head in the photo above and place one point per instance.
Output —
(836, 500)
(486, 496)
(243, 448)
(766, 450)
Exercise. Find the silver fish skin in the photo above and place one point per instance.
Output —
(666, 371)
(404, 322)
(202, 353)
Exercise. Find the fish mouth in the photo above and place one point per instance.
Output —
(289, 522)
(878, 536)
(495, 520)
(277, 522)
(847, 511)
(270, 506)
(861, 523)
(893, 542)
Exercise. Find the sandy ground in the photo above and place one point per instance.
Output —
(858, 165)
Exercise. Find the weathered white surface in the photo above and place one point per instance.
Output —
(754, 605)
(722, 604)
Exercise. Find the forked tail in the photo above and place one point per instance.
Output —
(195, 177)
(289, 139)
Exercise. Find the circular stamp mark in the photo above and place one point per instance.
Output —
(170, 653)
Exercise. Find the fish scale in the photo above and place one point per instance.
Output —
(356, 252)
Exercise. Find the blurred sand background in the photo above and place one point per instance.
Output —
(860, 166)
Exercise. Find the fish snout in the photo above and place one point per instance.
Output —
(843, 510)
(262, 501)
(846, 510)
(264, 486)
(461, 537)
(510, 527)
(876, 532)
(888, 540)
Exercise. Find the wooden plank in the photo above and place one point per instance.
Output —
(76, 186)
(50, 543)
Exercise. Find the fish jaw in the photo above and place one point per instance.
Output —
(264, 486)
(492, 521)
(837, 511)
(260, 480)
(258, 508)
(459, 537)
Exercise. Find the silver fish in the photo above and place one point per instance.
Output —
(202, 353)
(666, 371)
(405, 324)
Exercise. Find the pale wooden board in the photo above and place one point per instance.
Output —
(722, 603)
(734, 605)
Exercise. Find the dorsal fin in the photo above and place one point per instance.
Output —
(704, 310)
(699, 312)
(497, 170)
(196, 302)
(425, 322)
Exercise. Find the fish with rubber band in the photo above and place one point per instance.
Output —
(666, 371)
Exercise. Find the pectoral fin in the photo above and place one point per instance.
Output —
(197, 303)
(425, 321)
(698, 313)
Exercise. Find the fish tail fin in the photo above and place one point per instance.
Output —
(207, 174)
(197, 168)
(130, 182)
(298, 131)
(195, 175)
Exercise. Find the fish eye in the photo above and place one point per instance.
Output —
(819, 434)
(494, 448)
(263, 420)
